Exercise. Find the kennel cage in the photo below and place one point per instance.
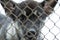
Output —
(26, 20)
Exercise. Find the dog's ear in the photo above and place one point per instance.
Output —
(48, 5)
(3, 2)
(8, 5)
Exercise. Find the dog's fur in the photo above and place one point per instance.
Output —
(28, 18)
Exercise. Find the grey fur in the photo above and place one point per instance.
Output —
(25, 27)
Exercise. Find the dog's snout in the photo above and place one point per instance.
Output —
(30, 35)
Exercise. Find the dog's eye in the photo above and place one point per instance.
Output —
(22, 18)
(28, 11)
(38, 11)
(33, 17)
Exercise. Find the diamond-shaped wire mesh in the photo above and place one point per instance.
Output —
(29, 20)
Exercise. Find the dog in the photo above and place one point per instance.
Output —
(27, 18)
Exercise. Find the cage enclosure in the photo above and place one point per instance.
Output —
(26, 18)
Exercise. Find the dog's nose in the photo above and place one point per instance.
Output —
(30, 35)
(31, 32)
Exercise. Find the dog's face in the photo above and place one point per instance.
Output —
(30, 15)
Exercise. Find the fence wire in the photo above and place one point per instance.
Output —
(29, 20)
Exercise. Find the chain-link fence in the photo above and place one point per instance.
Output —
(26, 20)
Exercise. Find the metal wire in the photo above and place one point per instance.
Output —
(26, 20)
